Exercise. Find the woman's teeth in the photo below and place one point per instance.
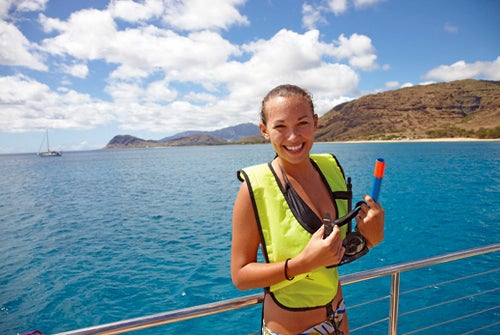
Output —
(295, 148)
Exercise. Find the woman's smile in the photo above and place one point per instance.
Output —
(294, 148)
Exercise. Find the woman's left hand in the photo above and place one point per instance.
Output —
(370, 222)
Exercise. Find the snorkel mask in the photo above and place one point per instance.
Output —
(354, 243)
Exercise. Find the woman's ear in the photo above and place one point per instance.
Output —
(315, 117)
(263, 131)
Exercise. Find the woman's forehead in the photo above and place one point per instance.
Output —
(288, 105)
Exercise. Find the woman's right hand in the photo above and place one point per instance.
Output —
(322, 251)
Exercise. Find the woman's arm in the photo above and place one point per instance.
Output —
(246, 273)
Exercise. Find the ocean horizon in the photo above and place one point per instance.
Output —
(100, 236)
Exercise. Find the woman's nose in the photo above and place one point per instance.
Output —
(294, 133)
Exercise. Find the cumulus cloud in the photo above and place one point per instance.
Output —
(76, 70)
(16, 50)
(288, 50)
(21, 6)
(365, 3)
(30, 5)
(311, 16)
(163, 80)
(88, 34)
(339, 7)
(138, 50)
(220, 14)
(29, 105)
(126, 72)
(462, 70)
(392, 84)
(132, 11)
(358, 49)
(126, 92)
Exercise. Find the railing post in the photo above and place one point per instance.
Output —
(393, 313)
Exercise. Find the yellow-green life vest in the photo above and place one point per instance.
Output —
(282, 235)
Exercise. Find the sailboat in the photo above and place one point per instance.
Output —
(48, 153)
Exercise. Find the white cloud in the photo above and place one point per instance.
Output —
(462, 70)
(76, 70)
(359, 50)
(49, 24)
(4, 8)
(137, 51)
(159, 91)
(288, 50)
(16, 50)
(338, 6)
(29, 105)
(125, 92)
(325, 105)
(164, 81)
(124, 72)
(311, 16)
(288, 57)
(222, 90)
(365, 62)
(196, 15)
(30, 5)
(391, 85)
(132, 11)
(88, 34)
(328, 84)
(365, 3)
(200, 97)
(21, 6)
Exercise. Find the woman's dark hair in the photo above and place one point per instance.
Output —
(286, 90)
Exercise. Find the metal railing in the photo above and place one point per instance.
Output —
(232, 304)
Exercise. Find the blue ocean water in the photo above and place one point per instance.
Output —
(96, 237)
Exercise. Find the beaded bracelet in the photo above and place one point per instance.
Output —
(286, 273)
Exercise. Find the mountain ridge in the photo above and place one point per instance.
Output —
(191, 137)
(464, 108)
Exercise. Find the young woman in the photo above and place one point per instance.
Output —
(281, 206)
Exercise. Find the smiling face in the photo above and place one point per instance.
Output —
(290, 126)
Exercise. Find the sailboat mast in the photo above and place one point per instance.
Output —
(48, 153)
(47, 135)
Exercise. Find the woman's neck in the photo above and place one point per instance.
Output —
(303, 171)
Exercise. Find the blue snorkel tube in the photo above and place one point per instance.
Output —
(378, 174)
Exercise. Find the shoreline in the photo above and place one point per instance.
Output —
(420, 140)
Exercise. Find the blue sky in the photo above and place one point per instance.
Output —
(88, 70)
